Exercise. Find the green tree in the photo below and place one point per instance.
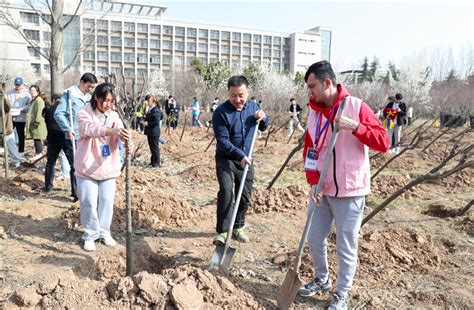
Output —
(198, 66)
(365, 75)
(374, 66)
(299, 79)
(387, 78)
(215, 75)
(394, 71)
(254, 75)
(452, 76)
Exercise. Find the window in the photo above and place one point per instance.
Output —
(47, 36)
(104, 56)
(179, 60)
(129, 42)
(33, 52)
(89, 56)
(267, 52)
(168, 30)
(142, 72)
(129, 72)
(32, 34)
(192, 32)
(155, 59)
(203, 33)
(225, 49)
(247, 37)
(31, 18)
(214, 34)
(203, 47)
(276, 53)
(192, 47)
(102, 40)
(286, 54)
(276, 67)
(190, 60)
(179, 31)
(116, 26)
(142, 43)
(129, 57)
(46, 68)
(102, 24)
(168, 45)
(236, 50)
(246, 51)
(287, 41)
(88, 23)
(167, 59)
(257, 52)
(116, 41)
(235, 36)
(143, 28)
(36, 68)
(214, 48)
(155, 29)
(129, 27)
(225, 35)
(276, 41)
(267, 39)
(155, 43)
(257, 38)
(143, 58)
(179, 46)
(116, 56)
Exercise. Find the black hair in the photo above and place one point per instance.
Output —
(237, 80)
(55, 97)
(321, 70)
(37, 89)
(398, 96)
(147, 97)
(89, 77)
(101, 93)
(217, 98)
(292, 99)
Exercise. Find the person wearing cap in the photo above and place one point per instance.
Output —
(20, 100)
(78, 95)
(9, 143)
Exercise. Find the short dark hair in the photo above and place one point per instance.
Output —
(292, 99)
(55, 97)
(147, 97)
(321, 70)
(217, 98)
(237, 80)
(37, 89)
(101, 92)
(89, 77)
(398, 96)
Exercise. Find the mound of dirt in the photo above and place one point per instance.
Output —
(283, 199)
(186, 287)
(146, 180)
(200, 173)
(150, 211)
(386, 185)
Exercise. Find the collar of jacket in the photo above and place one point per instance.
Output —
(321, 107)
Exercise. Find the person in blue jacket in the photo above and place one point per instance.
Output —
(72, 100)
(234, 123)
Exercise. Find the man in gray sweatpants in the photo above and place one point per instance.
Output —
(347, 181)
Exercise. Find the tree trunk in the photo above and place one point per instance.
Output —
(56, 60)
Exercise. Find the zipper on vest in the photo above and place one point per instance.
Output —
(334, 163)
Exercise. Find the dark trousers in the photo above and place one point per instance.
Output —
(154, 144)
(54, 148)
(20, 130)
(38, 146)
(229, 176)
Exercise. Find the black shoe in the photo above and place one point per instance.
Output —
(46, 190)
(75, 199)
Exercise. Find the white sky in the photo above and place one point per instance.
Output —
(389, 30)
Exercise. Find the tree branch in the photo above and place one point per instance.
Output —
(73, 15)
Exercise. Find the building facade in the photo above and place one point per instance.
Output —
(135, 39)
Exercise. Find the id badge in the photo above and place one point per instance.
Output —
(105, 150)
(311, 162)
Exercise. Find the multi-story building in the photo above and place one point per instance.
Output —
(135, 38)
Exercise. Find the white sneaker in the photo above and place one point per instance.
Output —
(109, 241)
(89, 245)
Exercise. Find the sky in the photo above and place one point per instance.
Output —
(391, 31)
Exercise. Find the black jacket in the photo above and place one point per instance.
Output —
(401, 120)
(55, 134)
(153, 117)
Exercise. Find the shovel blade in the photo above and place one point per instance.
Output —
(288, 290)
(222, 258)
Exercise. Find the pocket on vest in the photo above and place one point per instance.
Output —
(356, 177)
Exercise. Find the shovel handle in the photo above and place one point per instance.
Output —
(239, 195)
(322, 176)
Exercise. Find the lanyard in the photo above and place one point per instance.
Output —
(104, 140)
(325, 127)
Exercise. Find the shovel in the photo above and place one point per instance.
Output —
(31, 164)
(292, 282)
(223, 255)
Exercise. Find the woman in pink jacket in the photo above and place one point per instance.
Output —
(97, 164)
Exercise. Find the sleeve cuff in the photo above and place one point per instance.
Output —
(360, 131)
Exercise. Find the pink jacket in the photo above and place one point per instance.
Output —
(88, 160)
(348, 174)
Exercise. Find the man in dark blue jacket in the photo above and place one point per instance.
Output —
(234, 123)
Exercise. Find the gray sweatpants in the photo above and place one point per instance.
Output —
(346, 213)
(97, 206)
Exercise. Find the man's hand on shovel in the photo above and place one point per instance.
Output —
(312, 194)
